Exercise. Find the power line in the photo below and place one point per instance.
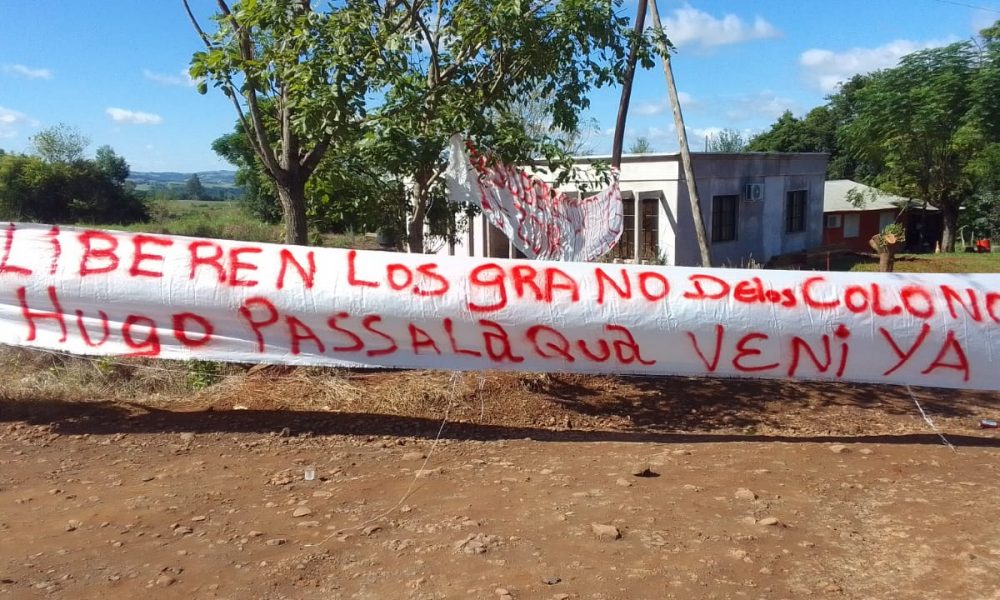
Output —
(956, 3)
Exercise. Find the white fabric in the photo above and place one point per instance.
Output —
(108, 293)
(540, 221)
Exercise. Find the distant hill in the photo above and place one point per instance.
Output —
(208, 178)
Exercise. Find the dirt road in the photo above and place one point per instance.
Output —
(109, 500)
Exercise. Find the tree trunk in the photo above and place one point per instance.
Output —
(699, 224)
(415, 228)
(616, 146)
(949, 214)
(886, 253)
(886, 260)
(293, 206)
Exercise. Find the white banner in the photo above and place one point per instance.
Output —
(99, 293)
(540, 221)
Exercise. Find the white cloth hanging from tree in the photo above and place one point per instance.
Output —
(540, 221)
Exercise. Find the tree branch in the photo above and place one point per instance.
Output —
(230, 88)
(311, 160)
(197, 27)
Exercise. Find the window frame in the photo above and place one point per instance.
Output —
(854, 231)
(719, 225)
(625, 248)
(796, 208)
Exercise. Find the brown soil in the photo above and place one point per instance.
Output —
(112, 493)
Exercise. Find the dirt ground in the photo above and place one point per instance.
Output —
(539, 487)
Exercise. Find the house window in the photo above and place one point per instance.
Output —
(833, 221)
(795, 211)
(724, 218)
(650, 241)
(625, 249)
(852, 224)
(886, 218)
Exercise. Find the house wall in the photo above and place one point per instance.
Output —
(760, 225)
(868, 225)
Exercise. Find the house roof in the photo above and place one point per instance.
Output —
(835, 197)
(676, 156)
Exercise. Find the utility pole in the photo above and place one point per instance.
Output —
(616, 147)
(699, 224)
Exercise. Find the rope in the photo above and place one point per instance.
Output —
(416, 474)
(928, 420)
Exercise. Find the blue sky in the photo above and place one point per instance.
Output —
(116, 69)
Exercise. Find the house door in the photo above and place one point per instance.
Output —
(852, 223)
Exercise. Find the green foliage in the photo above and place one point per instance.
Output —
(216, 220)
(357, 97)
(194, 189)
(60, 144)
(891, 234)
(112, 165)
(819, 131)
(641, 145)
(727, 140)
(466, 65)
(260, 198)
(981, 216)
(916, 124)
(860, 196)
(927, 129)
(203, 373)
(298, 79)
(32, 189)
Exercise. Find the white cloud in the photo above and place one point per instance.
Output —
(648, 109)
(30, 73)
(689, 26)
(11, 120)
(696, 134)
(181, 79)
(133, 117)
(766, 104)
(658, 108)
(826, 69)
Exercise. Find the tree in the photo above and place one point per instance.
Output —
(467, 62)
(727, 140)
(260, 199)
(886, 244)
(60, 144)
(111, 164)
(403, 76)
(301, 82)
(194, 189)
(819, 131)
(641, 145)
(79, 192)
(532, 110)
(915, 123)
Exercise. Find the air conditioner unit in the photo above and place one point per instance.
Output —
(753, 192)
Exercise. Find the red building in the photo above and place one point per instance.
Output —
(845, 224)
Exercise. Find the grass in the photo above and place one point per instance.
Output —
(224, 221)
(926, 263)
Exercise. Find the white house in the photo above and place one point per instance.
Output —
(755, 205)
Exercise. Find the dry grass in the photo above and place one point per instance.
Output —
(489, 398)
(31, 374)
(516, 400)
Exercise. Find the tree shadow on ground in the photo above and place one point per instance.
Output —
(690, 403)
(109, 418)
